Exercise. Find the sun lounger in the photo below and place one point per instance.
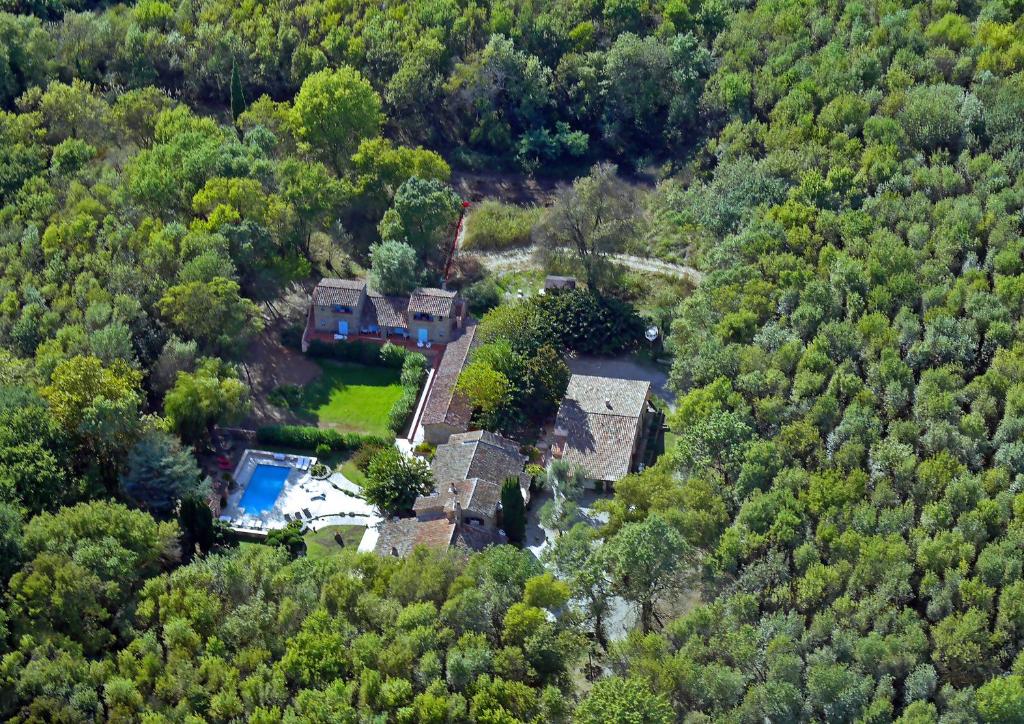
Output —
(279, 456)
(288, 517)
(309, 516)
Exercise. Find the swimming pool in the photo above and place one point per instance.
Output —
(263, 488)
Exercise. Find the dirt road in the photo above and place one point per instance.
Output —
(518, 259)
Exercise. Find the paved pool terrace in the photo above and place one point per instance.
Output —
(276, 488)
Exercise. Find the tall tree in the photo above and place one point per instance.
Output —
(423, 212)
(393, 267)
(575, 557)
(334, 111)
(624, 700)
(200, 399)
(393, 481)
(98, 406)
(513, 511)
(644, 562)
(237, 96)
(199, 531)
(213, 313)
(10, 541)
(159, 474)
(593, 218)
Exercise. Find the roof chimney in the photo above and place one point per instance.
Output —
(608, 402)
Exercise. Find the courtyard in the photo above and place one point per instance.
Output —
(275, 489)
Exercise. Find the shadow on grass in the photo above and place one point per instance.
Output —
(322, 543)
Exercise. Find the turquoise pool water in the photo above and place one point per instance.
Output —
(264, 487)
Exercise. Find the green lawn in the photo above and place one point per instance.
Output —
(350, 471)
(321, 543)
(350, 397)
(531, 281)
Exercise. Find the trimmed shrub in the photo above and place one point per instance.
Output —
(364, 453)
(287, 396)
(306, 437)
(366, 353)
(401, 410)
(291, 337)
(414, 370)
(392, 355)
(482, 297)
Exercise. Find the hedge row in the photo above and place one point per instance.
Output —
(366, 353)
(308, 438)
(414, 369)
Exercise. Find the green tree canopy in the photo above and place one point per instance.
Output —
(200, 399)
(393, 480)
(213, 313)
(423, 214)
(159, 474)
(393, 267)
(334, 111)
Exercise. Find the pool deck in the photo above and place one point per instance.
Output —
(331, 501)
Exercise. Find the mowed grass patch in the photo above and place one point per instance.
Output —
(350, 397)
(354, 474)
(322, 544)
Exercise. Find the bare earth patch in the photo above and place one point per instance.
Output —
(269, 364)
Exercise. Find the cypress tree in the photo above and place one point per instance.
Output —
(513, 511)
(237, 97)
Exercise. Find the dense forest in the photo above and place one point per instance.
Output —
(845, 485)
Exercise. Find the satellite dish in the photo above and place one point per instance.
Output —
(651, 334)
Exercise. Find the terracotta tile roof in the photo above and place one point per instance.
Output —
(608, 395)
(478, 454)
(475, 496)
(338, 291)
(384, 310)
(599, 445)
(474, 538)
(399, 537)
(429, 300)
(444, 404)
(601, 416)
